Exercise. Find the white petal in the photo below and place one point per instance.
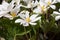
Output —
(36, 19)
(17, 2)
(25, 6)
(22, 22)
(42, 0)
(33, 17)
(53, 6)
(27, 1)
(1, 7)
(16, 9)
(1, 16)
(8, 16)
(59, 10)
(58, 0)
(33, 23)
(37, 10)
(33, 4)
(56, 13)
(25, 24)
(22, 12)
(54, 1)
(42, 3)
(48, 1)
(36, 3)
(27, 14)
(4, 5)
(57, 18)
(2, 13)
(11, 5)
(18, 21)
(22, 16)
(29, 5)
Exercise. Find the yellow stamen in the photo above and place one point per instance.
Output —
(27, 19)
(43, 7)
(49, 3)
(13, 14)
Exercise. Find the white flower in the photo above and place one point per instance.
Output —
(41, 7)
(26, 19)
(9, 11)
(5, 7)
(13, 13)
(50, 3)
(31, 4)
(57, 17)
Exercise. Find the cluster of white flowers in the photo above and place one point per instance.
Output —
(12, 9)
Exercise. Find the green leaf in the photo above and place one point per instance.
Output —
(23, 33)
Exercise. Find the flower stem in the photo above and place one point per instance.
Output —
(15, 37)
(26, 34)
(34, 30)
(30, 36)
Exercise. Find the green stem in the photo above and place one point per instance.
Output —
(15, 37)
(30, 36)
(34, 30)
(26, 34)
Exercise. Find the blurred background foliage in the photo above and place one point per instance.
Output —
(9, 30)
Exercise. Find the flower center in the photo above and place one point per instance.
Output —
(27, 19)
(43, 7)
(13, 14)
(49, 2)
